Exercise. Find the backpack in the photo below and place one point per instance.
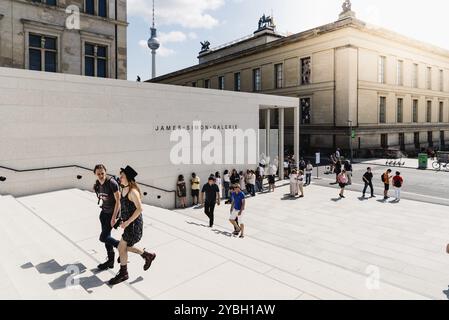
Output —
(382, 177)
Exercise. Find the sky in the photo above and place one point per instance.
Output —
(183, 24)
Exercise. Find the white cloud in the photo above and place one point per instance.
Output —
(173, 36)
(186, 13)
(162, 51)
(165, 52)
(193, 35)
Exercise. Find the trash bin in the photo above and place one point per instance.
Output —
(422, 161)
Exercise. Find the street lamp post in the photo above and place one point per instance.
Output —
(350, 139)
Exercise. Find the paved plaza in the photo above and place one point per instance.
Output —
(421, 185)
(317, 247)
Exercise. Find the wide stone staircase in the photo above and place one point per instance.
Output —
(51, 249)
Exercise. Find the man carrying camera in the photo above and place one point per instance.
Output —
(107, 190)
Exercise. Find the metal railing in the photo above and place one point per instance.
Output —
(2, 179)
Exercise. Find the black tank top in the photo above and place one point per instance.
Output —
(127, 207)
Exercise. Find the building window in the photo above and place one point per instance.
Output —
(441, 112)
(382, 110)
(400, 73)
(95, 60)
(402, 141)
(221, 83)
(306, 71)
(442, 139)
(441, 80)
(257, 80)
(381, 70)
(305, 104)
(415, 111)
(96, 7)
(305, 142)
(278, 75)
(194, 84)
(207, 84)
(237, 81)
(42, 53)
(384, 141)
(429, 78)
(415, 76)
(102, 8)
(90, 7)
(430, 138)
(47, 2)
(400, 110)
(429, 111)
(416, 140)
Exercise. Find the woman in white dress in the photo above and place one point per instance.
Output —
(301, 179)
(294, 183)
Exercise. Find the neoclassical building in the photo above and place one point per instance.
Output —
(50, 35)
(392, 91)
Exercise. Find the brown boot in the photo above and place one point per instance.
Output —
(149, 257)
(120, 277)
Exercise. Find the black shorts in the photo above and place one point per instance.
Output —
(342, 185)
(271, 179)
(387, 187)
(195, 193)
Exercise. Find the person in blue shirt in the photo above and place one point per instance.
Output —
(237, 207)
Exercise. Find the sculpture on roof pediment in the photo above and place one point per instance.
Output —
(266, 22)
(347, 6)
(205, 46)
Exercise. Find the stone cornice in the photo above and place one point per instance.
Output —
(96, 35)
(82, 14)
(313, 33)
(42, 24)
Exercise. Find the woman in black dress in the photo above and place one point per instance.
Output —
(181, 191)
(132, 223)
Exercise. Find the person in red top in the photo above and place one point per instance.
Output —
(397, 184)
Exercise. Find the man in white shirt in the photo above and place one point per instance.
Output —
(252, 183)
(309, 170)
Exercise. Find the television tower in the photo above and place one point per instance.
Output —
(153, 44)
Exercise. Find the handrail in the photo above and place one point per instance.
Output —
(78, 167)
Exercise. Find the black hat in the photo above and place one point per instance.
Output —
(130, 173)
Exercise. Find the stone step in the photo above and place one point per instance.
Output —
(52, 258)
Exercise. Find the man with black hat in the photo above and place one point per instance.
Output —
(107, 190)
(210, 195)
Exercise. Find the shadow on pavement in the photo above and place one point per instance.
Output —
(225, 233)
(197, 224)
(446, 292)
(289, 197)
(139, 279)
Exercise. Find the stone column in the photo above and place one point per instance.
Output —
(296, 134)
(268, 127)
(281, 143)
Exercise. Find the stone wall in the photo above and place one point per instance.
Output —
(56, 120)
(20, 17)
